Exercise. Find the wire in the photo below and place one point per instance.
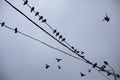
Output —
(42, 42)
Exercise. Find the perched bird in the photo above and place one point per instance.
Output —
(72, 47)
(44, 20)
(63, 39)
(89, 70)
(105, 62)
(82, 52)
(16, 30)
(59, 67)
(103, 67)
(57, 34)
(54, 31)
(58, 60)
(47, 66)
(60, 36)
(37, 13)
(106, 18)
(82, 74)
(41, 17)
(25, 2)
(77, 51)
(94, 65)
(32, 9)
(2, 24)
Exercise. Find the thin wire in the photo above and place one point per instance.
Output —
(42, 42)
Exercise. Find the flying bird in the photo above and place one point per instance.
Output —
(2, 24)
(63, 39)
(106, 18)
(37, 13)
(54, 31)
(44, 20)
(58, 60)
(82, 74)
(32, 9)
(60, 36)
(59, 67)
(47, 66)
(89, 70)
(41, 17)
(94, 65)
(25, 2)
(16, 30)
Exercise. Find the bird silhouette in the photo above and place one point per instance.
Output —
(59, 67)
(58, 60)
(72, 47)
(63, 39)
(94, 65)
(82, 52)
(106, 18)
(82, 74)
(105, 62)
(41, 17)
(2, 24)
(60, 36)
(25, 2)
(32, 9)
(54, 31)
(47, 66)
(103, 67)
(89, 70)
(16, 30)
(77, 51)
(37, 13)
(57, 34)
(44, 20)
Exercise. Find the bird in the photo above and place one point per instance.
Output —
(106, 18)
(59, 67)
(54, 31)
(63, 39)
(60, 36)
(57, 33)
(32, 9)
(77, 51)
(25, 2)
(2, 24)
(105, 62)
(47, 66)
(16, 30)
(58, 60)
(82, 74)
(94, 65)
(82, 52)
(89, 70)
(41, 17)
(37, 13)
(44, 20)
(72, 47)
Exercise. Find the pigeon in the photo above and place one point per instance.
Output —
(44, 20)
(25, 2)
(57, 33)
(54, 31)
(63, 39)
(60, 36)
(2, 24)
(58, 60)
(82, 74)
(32, 9)
(37, 13)
(41, 17)
(47, 66)
(16, 30)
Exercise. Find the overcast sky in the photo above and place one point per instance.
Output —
(79, 21)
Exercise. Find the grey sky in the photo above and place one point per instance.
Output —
(79, 21)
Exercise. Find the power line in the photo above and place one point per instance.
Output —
(41, 42)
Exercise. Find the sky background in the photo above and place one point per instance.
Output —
(79, 21)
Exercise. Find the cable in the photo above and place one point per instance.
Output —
(42, 42)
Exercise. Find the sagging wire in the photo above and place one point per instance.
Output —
(16, 31)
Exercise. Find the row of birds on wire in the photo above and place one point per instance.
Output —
(54, 30)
